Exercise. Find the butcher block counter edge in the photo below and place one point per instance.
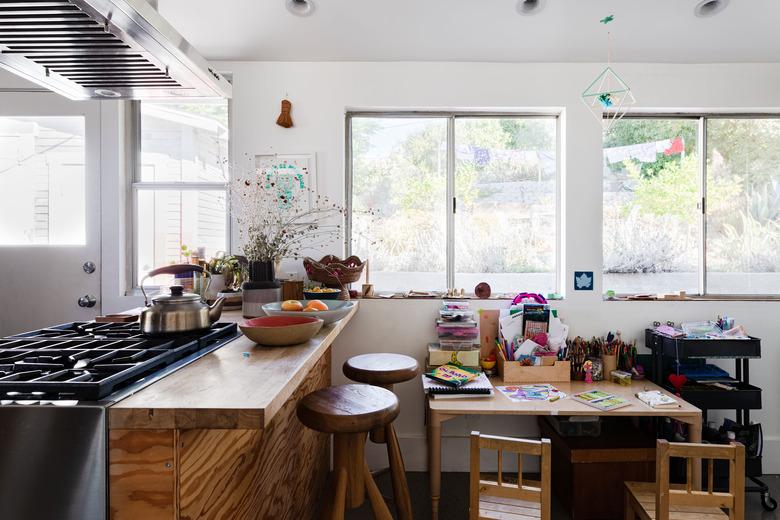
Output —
(226, 389)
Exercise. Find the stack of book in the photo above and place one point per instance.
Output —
(451, 381)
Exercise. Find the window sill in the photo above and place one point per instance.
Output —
(499, 298)
(698, 298)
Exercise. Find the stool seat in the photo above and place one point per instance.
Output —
(348, 409)
(381, 368)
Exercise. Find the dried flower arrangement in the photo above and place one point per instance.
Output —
(273, 224)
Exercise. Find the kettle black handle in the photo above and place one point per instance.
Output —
(174, 269)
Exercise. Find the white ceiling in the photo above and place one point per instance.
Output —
(478, 30)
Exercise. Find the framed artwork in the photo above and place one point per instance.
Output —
(294, 175)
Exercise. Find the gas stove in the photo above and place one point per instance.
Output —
(88, 361)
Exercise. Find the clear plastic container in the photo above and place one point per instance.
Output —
(461, 333)
(457, 345)
(455, 305)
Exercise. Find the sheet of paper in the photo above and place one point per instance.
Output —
(525, 393)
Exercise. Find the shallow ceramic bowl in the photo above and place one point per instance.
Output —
(311, 295)
(337, 309)
(278, 331)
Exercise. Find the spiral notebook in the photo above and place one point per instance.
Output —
(480, 385)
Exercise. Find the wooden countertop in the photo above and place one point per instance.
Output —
(225, 389)
(500, 404)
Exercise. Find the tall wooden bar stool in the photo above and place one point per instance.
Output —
(349, 412)
(386, 370)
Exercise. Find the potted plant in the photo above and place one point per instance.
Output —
(227, 274)
(275, 222)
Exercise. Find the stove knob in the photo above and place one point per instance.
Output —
(89, 267)
(87, 301)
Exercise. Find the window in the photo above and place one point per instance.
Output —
(43, 181)
(180, 188)
(743, 206)
(451, 200)
(679, 218)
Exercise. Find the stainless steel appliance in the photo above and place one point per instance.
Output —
(55, 386)
(178, 311)
(103, 49)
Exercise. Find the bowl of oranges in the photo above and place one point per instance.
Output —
(327, 310)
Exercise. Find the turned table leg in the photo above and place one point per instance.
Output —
(434, 461)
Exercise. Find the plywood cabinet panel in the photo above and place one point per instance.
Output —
(250, 474)
(214, 474)
(142, 474)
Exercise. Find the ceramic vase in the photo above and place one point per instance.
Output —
(262, 271)
(216, 286)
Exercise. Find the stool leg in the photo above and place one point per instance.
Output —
(381, 512)
(378, 434)
(403, 503)
(348, 454)
(330, 493)
(339, 501)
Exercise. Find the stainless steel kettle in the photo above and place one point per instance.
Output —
(178, 311)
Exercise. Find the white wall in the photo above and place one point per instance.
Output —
(321, 92)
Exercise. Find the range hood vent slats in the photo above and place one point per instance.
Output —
(102, 48)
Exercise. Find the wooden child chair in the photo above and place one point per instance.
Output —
(657, 501)
(509, 501)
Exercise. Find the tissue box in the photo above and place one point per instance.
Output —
(440, 355)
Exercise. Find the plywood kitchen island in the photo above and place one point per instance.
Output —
(219, 438)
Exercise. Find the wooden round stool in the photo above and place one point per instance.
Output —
(381, 369)
(386, 370)
(349, 412)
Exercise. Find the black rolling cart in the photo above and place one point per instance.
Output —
(742, 398)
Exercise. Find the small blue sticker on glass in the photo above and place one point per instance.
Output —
(583, 280)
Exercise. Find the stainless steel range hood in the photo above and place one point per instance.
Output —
(103, 49)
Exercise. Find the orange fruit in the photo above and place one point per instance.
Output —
(292, 305)
(316, 305)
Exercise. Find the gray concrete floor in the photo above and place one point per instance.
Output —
(455, 504)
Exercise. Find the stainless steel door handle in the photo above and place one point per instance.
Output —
(87, 300)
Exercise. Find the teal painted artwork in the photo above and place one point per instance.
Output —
(291, 176)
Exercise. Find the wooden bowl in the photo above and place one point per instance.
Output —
(332, 271)
(278, 331)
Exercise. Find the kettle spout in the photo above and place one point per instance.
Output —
(215, 311)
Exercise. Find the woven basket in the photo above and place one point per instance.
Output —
(323, 271)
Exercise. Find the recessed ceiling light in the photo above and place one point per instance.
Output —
(300, 7)
(107, 93)
(709, 7)
(529, 7)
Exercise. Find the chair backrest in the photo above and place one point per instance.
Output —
(692, 494)
(529, 491)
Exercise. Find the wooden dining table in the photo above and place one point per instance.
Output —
(439, 411)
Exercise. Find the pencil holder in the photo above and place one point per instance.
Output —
(608, 363)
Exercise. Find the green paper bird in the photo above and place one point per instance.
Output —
(607, 19)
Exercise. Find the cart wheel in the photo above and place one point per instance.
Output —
(769, 503)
